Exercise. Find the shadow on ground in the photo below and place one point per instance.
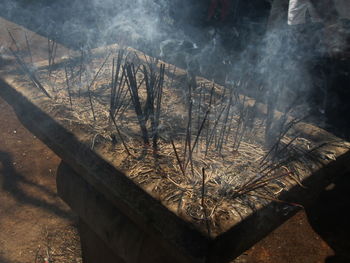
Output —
(328, 218)
(4, 260)
(10, 183)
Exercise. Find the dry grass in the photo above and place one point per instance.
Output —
(198, 127)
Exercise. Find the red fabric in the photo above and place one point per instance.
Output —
(225, 5)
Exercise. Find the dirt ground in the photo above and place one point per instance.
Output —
(35, 225)
(34, 222)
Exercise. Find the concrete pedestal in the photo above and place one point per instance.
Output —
(106, 234)
(94, 249)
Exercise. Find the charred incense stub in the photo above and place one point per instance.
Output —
(197, 147)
